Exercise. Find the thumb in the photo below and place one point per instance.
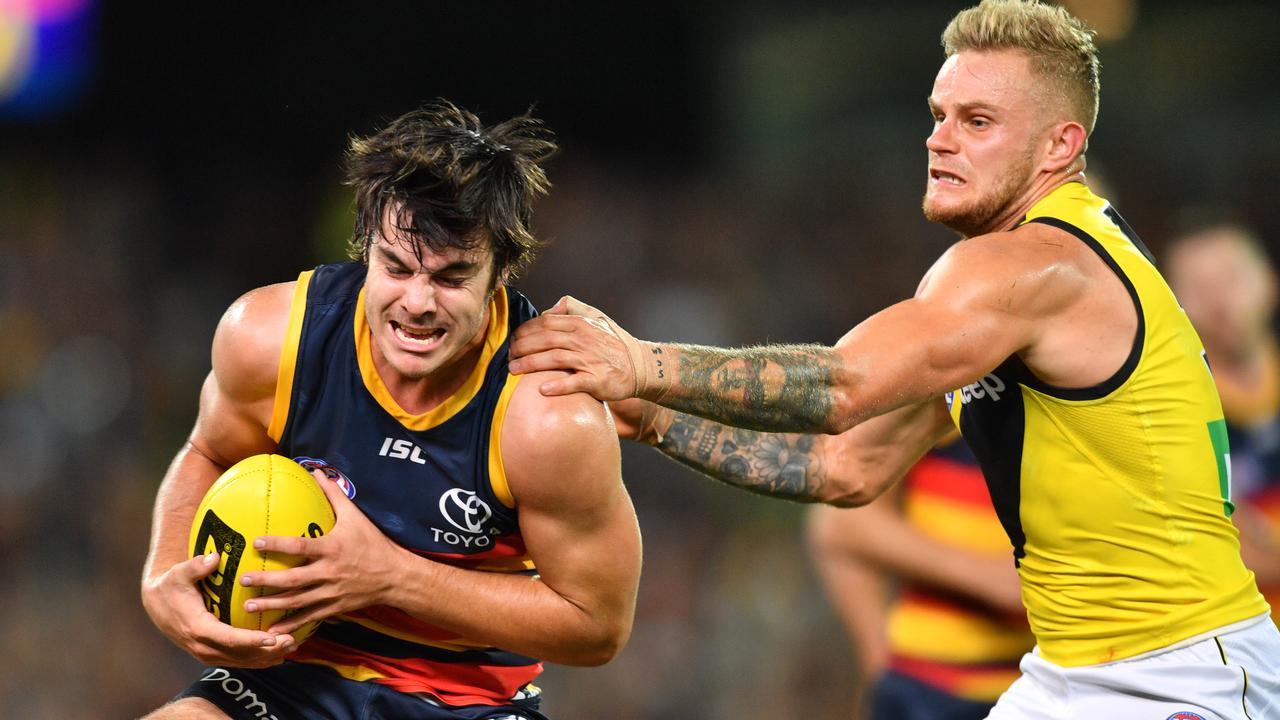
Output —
(560, 308)
(337, 497)
(573, 306)
(200, 566)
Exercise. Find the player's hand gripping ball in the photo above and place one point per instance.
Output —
(260, 495)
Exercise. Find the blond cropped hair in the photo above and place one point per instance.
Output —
(1059, 45)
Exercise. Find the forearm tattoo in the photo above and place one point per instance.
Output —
(779, 388)
(775, 464)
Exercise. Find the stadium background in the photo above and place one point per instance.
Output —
(729, 175)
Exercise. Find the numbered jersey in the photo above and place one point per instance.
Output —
(434, 483)
(1116, 497)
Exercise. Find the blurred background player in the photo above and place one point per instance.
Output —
(946, 641)
(1225, 282)
(483, 527)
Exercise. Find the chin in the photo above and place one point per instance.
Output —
(950, 217)
(968, 219)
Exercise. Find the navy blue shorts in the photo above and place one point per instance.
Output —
(899, 697)
(293, 690)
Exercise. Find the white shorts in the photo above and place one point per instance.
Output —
(1233, 674)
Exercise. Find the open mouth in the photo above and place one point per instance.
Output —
(417, 337)
(945, 178)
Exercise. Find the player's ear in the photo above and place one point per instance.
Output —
(1066, 142)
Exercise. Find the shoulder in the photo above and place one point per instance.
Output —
(538, 425)
(560, 445)
(1032, 269)
(249, 340)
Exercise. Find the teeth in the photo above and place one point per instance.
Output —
(418, 336)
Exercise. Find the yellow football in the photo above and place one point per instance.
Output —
(260, 495)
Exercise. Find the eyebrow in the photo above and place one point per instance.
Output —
(457, 266)
(387, 255)
(967, 107)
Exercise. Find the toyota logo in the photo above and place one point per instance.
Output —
(464, 510)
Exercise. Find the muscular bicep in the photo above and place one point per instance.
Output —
(577, 520)
(238, 397)
(227, 430)
(975, 308)
(916, 351)
(234, 400)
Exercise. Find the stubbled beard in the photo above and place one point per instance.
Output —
(978, 217)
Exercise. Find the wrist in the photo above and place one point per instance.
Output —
(408, 575)
(654, 422)
(653, 370)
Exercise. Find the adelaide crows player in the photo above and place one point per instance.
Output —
(1049, 338)
(482, 527)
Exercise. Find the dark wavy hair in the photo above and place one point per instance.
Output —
(451, 182)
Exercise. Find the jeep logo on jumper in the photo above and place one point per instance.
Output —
(989, 386)
(464, 510)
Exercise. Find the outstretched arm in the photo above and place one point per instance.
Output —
(982, 302)
(849, 469)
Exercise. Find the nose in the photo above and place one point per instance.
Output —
(419, 297)
(942, 139)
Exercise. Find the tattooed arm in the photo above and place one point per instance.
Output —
(849, 469)
(981, 303)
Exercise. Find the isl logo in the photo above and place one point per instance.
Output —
(1185, 715)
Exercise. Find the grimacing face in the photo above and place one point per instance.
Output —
(425, 318)
(982, 152)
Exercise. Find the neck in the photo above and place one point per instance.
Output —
(1039, 189)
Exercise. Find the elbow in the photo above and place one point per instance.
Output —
(598, 647)
(850, 490)
(600, 653)
(849, 497)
